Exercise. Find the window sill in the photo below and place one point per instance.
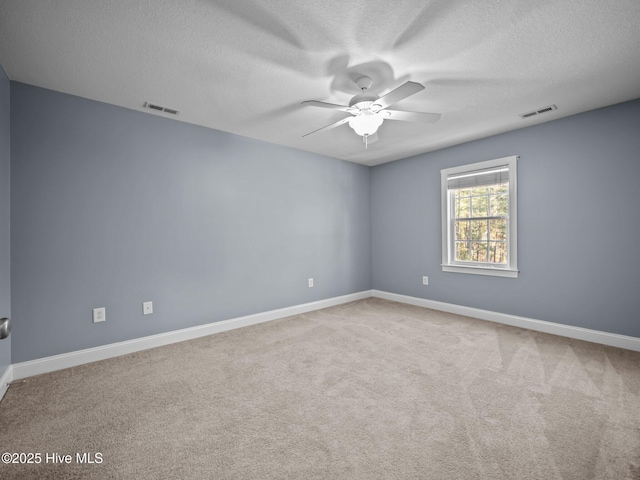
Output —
(475, 270)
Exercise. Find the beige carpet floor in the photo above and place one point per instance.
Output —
(367, 390)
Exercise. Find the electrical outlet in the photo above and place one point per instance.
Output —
(310, 282)
(147, 308)
(425, 280)
(99, 315)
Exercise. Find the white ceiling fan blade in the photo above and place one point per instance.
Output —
(332, 106)
(333, 125)
(422, 117)
(403, 91)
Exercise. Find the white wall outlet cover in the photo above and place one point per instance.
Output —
(99, 315)
(147, 308)
(310, 282)
(425, 280)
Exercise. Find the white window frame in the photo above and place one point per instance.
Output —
(449, 264)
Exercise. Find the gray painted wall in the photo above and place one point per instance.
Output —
(578, 223)
(113, 207)
(5, 263)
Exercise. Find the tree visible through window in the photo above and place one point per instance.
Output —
(479, 217)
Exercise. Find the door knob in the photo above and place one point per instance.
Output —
(5, 327)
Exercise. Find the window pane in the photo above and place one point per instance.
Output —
(499, 205)
(462, 207)
(500, 188)
(462, 251)
(463, 192)
(479, 206)
(479, 251)
(498, 252)
(463, 228)
(479, 229)
(480, 190)
(498, 229)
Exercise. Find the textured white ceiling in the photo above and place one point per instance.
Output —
(244, 66)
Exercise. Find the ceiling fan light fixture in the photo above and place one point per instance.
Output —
(366, 124)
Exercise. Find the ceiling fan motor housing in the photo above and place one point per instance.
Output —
(363, 98)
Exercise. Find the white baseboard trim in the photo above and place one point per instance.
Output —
(5, 381)
(80, 357)
(579, 333)
(38, 366)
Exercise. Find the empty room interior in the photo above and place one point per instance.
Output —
(320, 240)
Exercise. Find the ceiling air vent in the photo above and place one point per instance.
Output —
(160, 108)
(540, 111)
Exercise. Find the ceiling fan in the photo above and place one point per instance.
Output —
(368, 111)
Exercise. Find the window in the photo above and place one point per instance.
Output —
(479, 218)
